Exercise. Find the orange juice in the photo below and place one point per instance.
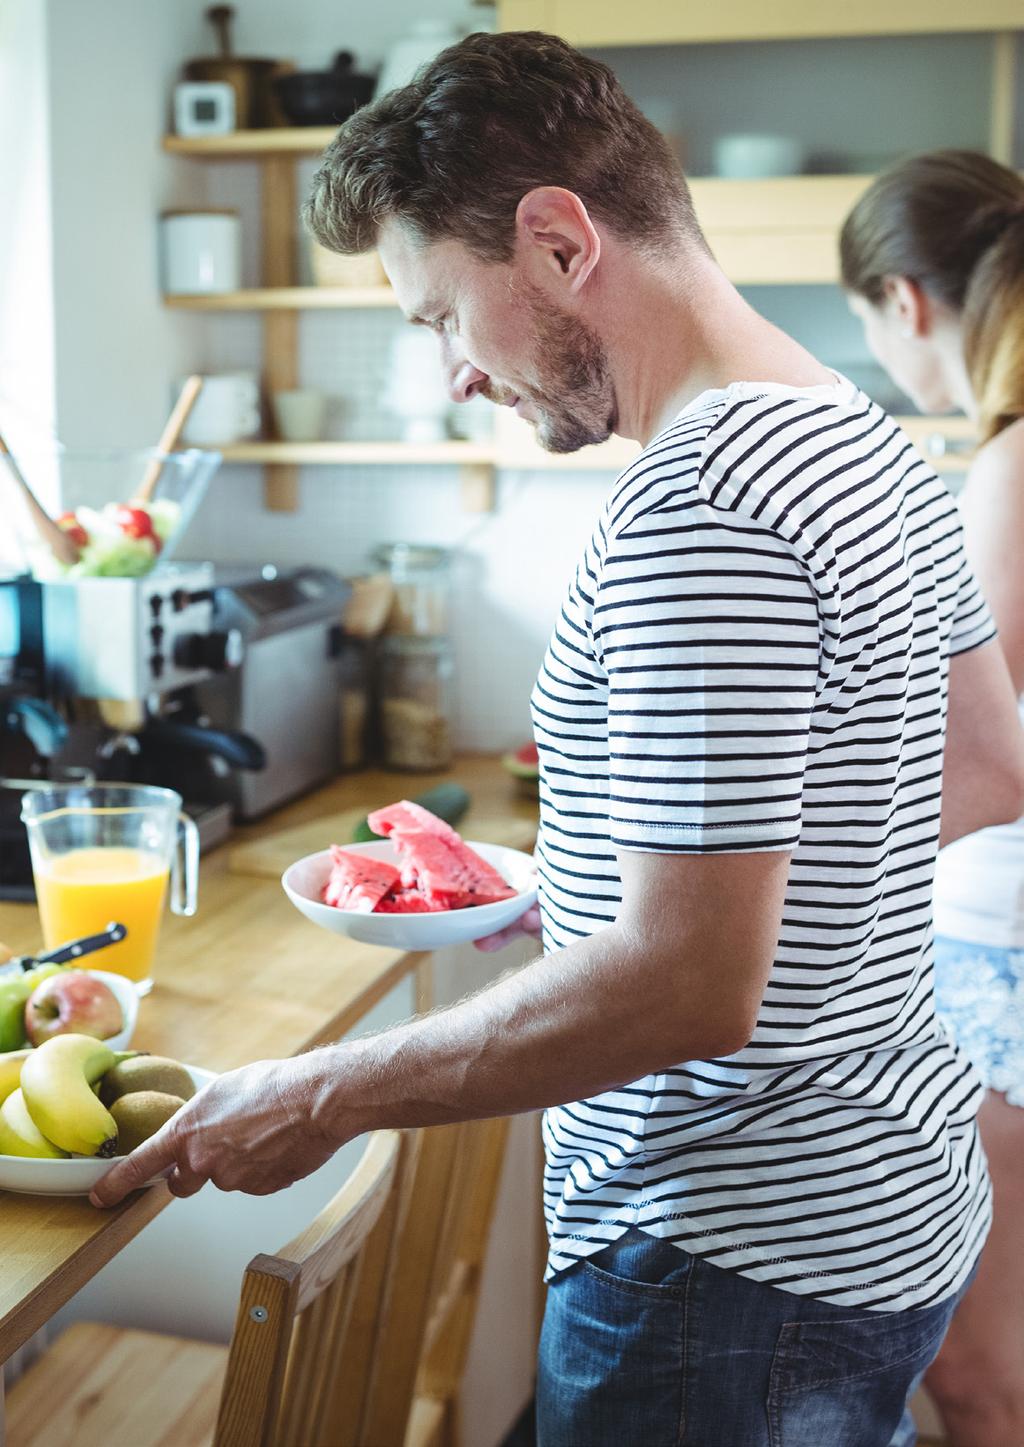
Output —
(81, 892)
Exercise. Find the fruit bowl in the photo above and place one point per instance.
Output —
(76, 1176)
(304, 880)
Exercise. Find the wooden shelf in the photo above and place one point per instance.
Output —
(285, 298)
(780, 231)
(250, 145)
(404, 454)
(946, 442)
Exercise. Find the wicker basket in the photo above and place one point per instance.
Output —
(329, 268)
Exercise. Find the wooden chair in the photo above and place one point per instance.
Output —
(354, 1335)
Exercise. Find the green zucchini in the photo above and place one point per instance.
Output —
(447, 801)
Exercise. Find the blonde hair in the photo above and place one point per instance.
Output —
(953, 221)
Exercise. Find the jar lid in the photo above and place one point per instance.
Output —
(401, 556)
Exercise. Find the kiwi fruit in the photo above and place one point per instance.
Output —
(140, 1115)
(147, 1072)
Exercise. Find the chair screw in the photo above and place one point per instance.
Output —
(258, 1313)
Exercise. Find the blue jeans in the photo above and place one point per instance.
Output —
(646, 1346)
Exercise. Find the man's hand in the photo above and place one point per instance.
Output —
(527, 924)
(249, 1130)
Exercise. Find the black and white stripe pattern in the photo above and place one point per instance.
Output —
(754, 655)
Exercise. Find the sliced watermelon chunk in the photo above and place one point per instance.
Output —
(437, 870)
(407, 901)
(448, 871)
(357, 882)
(404, 816)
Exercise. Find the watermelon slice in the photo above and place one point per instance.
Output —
(404, 816)
(447, 871)
(357, 882)
(437, 870)
(406, 901)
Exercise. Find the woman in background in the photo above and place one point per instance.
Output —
(933, 262)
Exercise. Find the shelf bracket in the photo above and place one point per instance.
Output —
(477, 483)
(280, 329)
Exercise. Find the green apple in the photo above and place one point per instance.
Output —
(14, 992)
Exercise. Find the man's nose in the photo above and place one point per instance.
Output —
(462, 378)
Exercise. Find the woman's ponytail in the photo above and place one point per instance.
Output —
(993, 328)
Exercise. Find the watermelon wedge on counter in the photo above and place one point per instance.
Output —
(437, 870)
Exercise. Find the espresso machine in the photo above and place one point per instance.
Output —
(124, 658)
(32, 732)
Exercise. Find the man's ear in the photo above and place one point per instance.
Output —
(910, 304)
(556, 239)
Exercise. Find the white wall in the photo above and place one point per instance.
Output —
(27, 381)
(112, 64)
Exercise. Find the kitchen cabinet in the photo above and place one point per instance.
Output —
(589, 23)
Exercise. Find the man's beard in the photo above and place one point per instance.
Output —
(573, 400)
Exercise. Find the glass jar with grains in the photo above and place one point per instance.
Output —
(415, 698)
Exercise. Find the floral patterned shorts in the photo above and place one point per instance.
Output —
(979, 995)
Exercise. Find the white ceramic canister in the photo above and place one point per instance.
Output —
(200, 252)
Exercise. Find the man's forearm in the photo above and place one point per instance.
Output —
(591, 1017)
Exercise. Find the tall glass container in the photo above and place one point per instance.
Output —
(415, 702)
(421, 577)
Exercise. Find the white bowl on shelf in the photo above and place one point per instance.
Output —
(304, 880)
(76, 1176)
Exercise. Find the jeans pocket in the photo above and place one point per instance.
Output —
(641, 1265)
(848, 1377)
(612, 1361)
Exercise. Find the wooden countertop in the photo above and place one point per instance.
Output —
(247, 978)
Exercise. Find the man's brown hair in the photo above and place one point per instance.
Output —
(453, 153)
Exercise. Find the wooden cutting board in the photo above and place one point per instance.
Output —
(270, 857)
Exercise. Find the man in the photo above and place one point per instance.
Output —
(764, 1187)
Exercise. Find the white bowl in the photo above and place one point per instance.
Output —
(304, 881)
(128, 998)
(28, 1175)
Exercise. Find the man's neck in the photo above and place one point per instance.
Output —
(676, 330)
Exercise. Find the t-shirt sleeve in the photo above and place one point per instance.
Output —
(973, 624)
(711, 649)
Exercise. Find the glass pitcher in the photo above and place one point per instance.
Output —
(107, 853)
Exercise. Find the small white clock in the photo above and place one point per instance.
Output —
(204, 108)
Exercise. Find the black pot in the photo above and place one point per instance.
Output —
(324, 97)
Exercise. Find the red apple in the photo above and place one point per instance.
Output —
(74, 1002)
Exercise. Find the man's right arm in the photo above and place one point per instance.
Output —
(983, 765)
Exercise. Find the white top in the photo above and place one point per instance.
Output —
(979, 886)
(754, 655)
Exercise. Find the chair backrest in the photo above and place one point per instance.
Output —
(371, 1303)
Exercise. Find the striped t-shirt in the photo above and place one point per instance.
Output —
(754, 655)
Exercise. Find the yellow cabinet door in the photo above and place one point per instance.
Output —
(667, 22)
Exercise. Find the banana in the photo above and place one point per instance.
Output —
(19, 1134)
(57, 1080)
(10, 1072)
